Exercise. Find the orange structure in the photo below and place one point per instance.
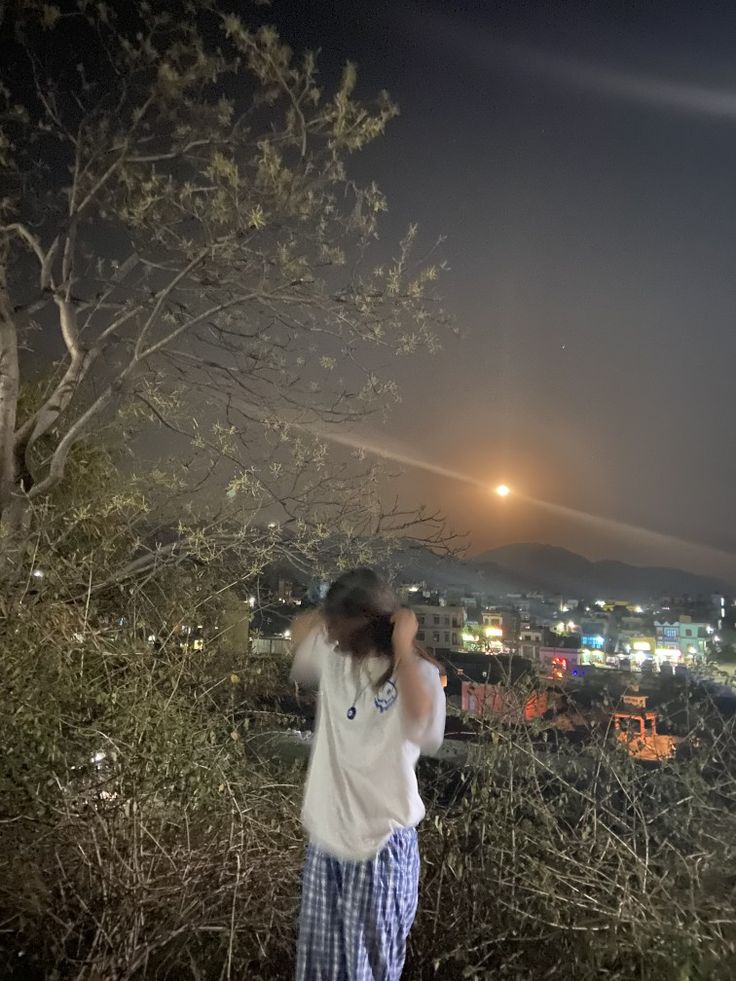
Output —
(637, 731)
(502, 702)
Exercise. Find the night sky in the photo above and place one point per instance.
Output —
(581, 160)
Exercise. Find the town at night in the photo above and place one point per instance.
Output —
(367, 560)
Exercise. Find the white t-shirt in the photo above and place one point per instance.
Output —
(361, 785)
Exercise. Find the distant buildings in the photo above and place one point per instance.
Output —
(608, 632)
(633, 633)
(285, 591)
(594, 632)
(531, 641)
(682, 639)
(500, 626)
(503, 702)
(440, 627)
(559, 661)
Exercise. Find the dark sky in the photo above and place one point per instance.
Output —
(581, 159)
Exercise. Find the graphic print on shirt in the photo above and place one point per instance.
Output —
(386, 696)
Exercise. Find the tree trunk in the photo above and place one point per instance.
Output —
(9, 386)
(13, 509)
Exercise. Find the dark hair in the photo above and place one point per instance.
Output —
(358, 610)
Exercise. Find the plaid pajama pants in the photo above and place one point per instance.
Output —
(356, 916)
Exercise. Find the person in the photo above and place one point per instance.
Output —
(381, 703)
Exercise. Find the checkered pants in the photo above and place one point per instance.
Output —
(355, 916)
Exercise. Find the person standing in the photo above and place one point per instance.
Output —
(381, 703)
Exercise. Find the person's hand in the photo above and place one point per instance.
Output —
(405, 630)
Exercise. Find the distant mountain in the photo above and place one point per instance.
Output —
(418, 563)
(527, 566)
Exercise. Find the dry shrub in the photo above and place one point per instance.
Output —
(126, 890)
(140, 837)
(580, 863)
(177, 854)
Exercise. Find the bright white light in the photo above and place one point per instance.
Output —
(503, 490)
(287, 634)
(38, 573)
(272, 525)
(251, 602)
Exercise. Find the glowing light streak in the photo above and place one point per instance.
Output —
(616, 528)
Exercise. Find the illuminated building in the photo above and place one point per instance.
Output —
(594, 632)
(501, 701)
(558, 662)
(693, 638)
(531, 641)
(501, 626)
(440, 627)
(668, 634)
(685, 636)
(610, 605)
(628, 630)
(639, 648)
(409, 592)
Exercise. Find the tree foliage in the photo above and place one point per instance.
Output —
(181, 236)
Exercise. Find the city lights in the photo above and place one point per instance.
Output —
(220, 289)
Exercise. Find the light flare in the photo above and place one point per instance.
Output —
(613, 526)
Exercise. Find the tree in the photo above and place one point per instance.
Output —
(182, 239)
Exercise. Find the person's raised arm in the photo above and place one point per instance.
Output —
(306, 667)
(415, 691)
(301, 626)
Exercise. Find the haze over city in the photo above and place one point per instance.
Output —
(580, 161)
